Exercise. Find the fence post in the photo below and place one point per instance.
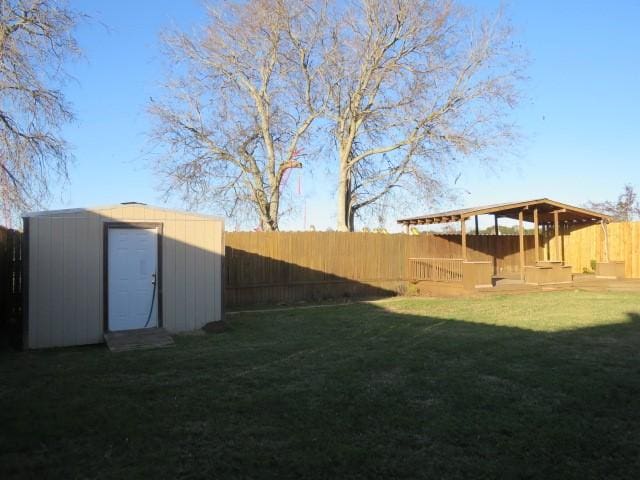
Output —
(11, 286)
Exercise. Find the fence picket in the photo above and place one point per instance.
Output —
(11, 286)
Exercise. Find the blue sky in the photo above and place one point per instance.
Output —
(579, 116)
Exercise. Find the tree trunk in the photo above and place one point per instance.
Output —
(267, 221)
(268, 226)
(274, 207)
(352, 215)
(343, 212)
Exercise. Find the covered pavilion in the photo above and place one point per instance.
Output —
(549, 217)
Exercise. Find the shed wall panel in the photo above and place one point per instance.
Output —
(189, 274)
(169, 272)
(42, 279)
(93, 251)
(58, 281)
(81, 267)
(69, 282)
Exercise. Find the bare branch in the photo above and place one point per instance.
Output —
(35, 40)
(625, 209)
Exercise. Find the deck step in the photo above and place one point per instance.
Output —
(139, 339)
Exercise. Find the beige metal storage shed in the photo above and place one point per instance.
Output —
(93, 270)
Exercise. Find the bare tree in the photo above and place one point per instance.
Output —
(412, 85)
(625, 209)
(35, 40)
(240, 105)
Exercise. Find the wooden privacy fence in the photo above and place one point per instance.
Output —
(435, 269)
(10, 287)
(273, 267)
(585, 245)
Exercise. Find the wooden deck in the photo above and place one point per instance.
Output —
(579, 282)
(589, 282)
(513, 285)
(138, 339)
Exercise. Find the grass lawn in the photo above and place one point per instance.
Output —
(529, 386)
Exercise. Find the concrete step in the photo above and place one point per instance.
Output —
(139, 339)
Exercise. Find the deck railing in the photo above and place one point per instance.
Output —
(435, 269)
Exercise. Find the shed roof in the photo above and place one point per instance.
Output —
(124, 205)
(546, 208)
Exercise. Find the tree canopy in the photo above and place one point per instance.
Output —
(391, 93)
(35, 41)
(625, 209)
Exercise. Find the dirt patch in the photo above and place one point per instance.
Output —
(216, 327)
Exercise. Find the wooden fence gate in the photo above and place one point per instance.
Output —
(10, 288)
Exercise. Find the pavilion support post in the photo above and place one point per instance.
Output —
(496, 244)
(536, 234)
(564, 231)
(547, 243)
(521, 235)
(477, 230)
(606, 240)
(463, 229)
(556, 237)
(406, 228)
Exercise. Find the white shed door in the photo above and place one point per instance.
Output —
(132, 263)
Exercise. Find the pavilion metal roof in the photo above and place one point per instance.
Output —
(545, 206)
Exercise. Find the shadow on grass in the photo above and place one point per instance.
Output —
(361, 391)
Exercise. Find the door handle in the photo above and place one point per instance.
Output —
(153, 282)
